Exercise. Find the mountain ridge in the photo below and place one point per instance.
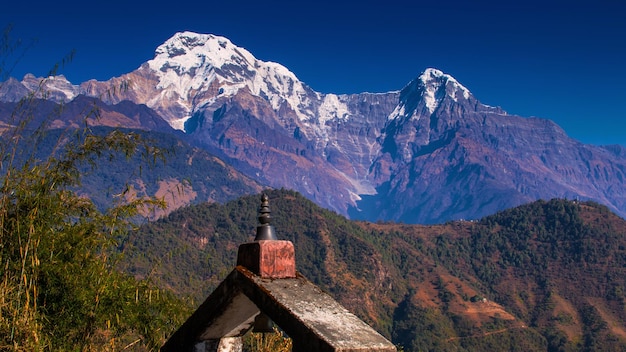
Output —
(430, 152)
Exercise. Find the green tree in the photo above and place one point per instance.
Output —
(59, 290)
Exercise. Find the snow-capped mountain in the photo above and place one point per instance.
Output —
(189, 63)
(191, 71)
(426, 153)
(430, 88)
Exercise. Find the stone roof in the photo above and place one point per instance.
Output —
(313, 319)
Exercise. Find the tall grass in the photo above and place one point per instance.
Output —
(267, 342)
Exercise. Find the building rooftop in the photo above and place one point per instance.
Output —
(265, 282)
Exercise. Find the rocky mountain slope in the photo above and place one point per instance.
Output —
(186, 174)
(427, 153)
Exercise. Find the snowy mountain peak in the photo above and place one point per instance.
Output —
(187, 51)
(430, 74)
(433, 81)
(433, 76)
(190, 62)
(431, 87)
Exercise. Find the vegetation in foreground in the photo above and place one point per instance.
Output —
(59, 290)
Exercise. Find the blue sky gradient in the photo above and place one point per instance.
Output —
(561, 60)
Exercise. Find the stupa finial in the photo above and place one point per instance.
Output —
(265, 231)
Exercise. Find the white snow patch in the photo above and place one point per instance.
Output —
(179, 124)
(397, 112)
(332, 109)
(429, 97)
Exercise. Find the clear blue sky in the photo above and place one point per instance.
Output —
(562, 60)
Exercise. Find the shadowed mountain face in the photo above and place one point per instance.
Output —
(461, 159)
(428, 153)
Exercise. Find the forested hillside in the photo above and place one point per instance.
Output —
(545, 276)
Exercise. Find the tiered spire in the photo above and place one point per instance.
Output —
(265, 231)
